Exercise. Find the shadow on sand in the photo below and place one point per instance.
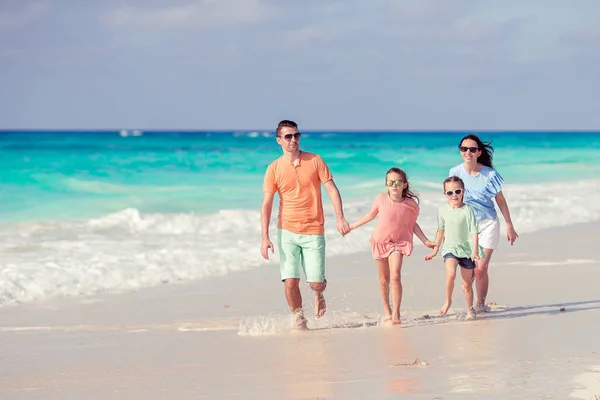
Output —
(496, 313)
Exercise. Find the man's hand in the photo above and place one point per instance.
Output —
(511, 234)
(264, 248)
(343, 226)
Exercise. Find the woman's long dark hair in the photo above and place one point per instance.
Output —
(486, 148)
(406, 192)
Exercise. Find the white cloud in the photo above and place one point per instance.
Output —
(15, 19)
(194, 14)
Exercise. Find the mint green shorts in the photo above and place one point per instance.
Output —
(305, 250)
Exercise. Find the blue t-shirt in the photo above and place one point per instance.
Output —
(480, 190)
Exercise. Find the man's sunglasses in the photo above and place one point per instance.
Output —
(397, 182)
(471, 149)
(457, 192)
(289, 136)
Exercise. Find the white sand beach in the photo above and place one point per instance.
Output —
(227, 337)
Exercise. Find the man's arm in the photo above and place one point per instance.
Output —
(265, 220)
(336, 199)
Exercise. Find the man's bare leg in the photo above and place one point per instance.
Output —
(294, 300)
(395, 263)
(451, 265)
(482, 281)
(320, 305)
(383, 268)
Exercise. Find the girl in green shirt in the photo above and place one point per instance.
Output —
(458, 231)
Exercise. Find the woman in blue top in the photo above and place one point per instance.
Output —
(483, 184)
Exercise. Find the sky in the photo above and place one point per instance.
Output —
(327, 64)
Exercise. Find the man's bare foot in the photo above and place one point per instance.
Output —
(445, 308)
(320, 305)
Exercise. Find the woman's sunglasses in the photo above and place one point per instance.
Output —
(457, 192)
(289, 136)
(471, 149)
(397, 182)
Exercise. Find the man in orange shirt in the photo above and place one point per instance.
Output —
(297, 177)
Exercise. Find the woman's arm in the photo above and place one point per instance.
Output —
(511, 234)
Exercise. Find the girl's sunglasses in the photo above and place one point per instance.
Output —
(289, 136)
(397, 182)
(457, 192)
(471, 149)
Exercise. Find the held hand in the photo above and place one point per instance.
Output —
(511, 234)
(430, 256)
(264, 248)
(430, 244)
(343, 226)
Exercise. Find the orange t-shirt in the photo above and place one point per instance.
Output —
(299, 188)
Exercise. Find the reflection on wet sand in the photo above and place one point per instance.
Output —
(393, 351)
(306, 361)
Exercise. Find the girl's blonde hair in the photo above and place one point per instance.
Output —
(454, 179)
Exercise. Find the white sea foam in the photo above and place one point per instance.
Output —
(129, 250)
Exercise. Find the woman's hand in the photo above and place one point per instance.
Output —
(511, 234)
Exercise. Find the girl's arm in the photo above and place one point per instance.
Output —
(368, 217)
(419, 233)
(511, 234)
(475, 251)
(439, 238)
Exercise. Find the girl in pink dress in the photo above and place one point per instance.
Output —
(392, 239)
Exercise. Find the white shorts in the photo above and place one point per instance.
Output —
(489, 233)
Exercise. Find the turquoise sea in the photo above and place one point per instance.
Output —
(82, 212)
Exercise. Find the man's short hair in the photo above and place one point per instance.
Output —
(286, 123)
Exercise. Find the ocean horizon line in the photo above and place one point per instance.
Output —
(251, 130)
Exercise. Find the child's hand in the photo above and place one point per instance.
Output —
(431, 255)
(475, 256)
(430, 244)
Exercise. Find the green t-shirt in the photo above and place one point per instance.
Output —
(458, 225)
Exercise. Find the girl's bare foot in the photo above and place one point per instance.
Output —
(387, 320)
(445, 308)
(396, 319)
(320, 305)
(471, 313)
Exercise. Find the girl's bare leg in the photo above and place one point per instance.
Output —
(383, 268)
(467, 288)
(482, 281)
(451, 264)
(395, 265)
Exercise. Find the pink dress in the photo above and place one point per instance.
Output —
(394, 230)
